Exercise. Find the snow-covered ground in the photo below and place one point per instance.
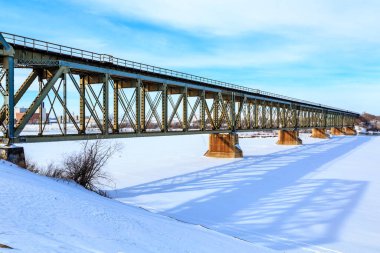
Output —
(39, 214)
(318, 197)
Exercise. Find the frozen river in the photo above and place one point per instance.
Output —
(318, 197)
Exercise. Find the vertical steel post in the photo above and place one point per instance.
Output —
(311, 122)
(138, 105)
(116, 107)
(296, 117)
(256, 114)
(64, 103)
(203, 111)
(142, 107)
(340, 123)
(336, 124)
(106, 104)
(185, 125)
(263, 115)
(328, 119)
(11, 90)
(233, 113)
(292, 116)
(270, 114)
(278, 115)
(40, 81)
(82, 108)
(319, 118)
(249, 125)
(216, 111)
(164, 108)
(9, 100)
(238, 113)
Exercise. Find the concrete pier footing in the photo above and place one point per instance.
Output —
(13, 154)
(349, 131)
(224, 146)
(319, 133)
(337, 131)
(287, 137)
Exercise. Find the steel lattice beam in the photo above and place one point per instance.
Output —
(161, 103)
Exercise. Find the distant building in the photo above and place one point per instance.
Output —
(20, 112)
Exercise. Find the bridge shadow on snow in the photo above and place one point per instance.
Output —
(265, 198)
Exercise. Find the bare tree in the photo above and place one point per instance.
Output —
(86, 167)
(32, 166)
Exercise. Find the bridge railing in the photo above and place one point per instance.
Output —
(105, 58)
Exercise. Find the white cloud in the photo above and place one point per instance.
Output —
(220, 57)
(350, 18)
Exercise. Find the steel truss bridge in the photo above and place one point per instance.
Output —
(89, 96)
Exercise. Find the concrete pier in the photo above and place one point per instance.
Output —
(336, 131)
(224, 146)
(349, 131)
(319, 133)
(13, 154)
(287, 137)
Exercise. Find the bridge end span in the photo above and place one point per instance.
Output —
(287, 137)
(224, 146)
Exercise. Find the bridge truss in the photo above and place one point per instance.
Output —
(86, 95)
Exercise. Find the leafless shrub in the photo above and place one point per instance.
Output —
(51, 170)
(86, 167)
(31, 166)
(54, 171)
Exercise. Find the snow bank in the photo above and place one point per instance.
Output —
(39, 214)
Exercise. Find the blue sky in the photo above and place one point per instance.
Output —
(319, 50)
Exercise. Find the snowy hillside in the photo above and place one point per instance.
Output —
(39, 214)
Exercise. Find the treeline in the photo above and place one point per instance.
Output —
(369, 121)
